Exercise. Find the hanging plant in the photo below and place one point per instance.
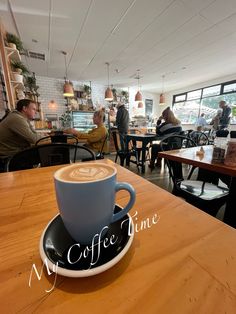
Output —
(18, 65)
(13, 39)
(125, 94)
(87, 89)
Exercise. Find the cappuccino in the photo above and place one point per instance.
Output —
(87, 172)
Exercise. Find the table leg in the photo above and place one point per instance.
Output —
(230, 212)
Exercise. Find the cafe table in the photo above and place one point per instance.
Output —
(181, 260)
(145, 139)
(189, 156)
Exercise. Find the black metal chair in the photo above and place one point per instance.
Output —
(232, 134)
(222, 133)
(119, 152)
(200, 138)
(100, 154)
(48, 155)
(206, 196)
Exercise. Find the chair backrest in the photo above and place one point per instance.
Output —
(115, 135)
(222, 133)
(233, 134)
(84, 153)
(200, 138)
(100, 154)
(175, 142)
(43, 156)
(58, 138)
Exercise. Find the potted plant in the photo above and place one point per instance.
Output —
(19, 70)
(31, 86)
(114, 92)
(125, 95)
(14, 41)
(65, 120)
(87, 91)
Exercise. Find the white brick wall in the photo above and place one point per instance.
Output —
(52, 89)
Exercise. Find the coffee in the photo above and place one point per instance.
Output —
(85, 172)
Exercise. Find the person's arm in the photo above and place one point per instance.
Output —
(96, 135)
(21, 127)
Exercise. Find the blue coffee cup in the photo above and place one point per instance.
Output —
(85, 195)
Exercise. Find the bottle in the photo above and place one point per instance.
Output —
(220, 144)
(230, 158)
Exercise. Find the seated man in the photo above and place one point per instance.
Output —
(170, 125)
(16, 132)
(95, 137)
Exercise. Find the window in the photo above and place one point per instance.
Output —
(196, 94)
(189, 105)
(211, 91)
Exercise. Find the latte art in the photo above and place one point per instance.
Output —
(86, 172)
(89, 173)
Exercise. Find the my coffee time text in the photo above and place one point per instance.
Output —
(94, 251)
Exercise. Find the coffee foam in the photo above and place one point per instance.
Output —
(85, 173)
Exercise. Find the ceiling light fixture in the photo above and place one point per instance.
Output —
(138, 96)
(68, 90)
(108, 92)
(162, 95)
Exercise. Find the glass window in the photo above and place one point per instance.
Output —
(187, 112)
(196, 94)
(180, 98)
(229, 88)
(211, 91)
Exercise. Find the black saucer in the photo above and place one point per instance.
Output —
(56, 241)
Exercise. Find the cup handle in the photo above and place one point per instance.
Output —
(124, 186)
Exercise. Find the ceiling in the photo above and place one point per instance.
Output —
(184, 41)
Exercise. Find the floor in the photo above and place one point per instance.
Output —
(160, 177)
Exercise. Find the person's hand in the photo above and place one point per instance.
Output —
(70, 131)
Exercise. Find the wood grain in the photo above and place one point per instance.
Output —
(186, 263)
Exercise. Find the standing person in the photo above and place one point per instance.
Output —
(170, 125)
(95, 137)
(122, 122)
(16, 132)
(215, 122)
(201, 121)
(225, 117)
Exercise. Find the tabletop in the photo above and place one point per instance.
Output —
(189, 156)
(184, 263)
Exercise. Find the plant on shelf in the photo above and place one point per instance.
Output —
(31, 87)
(65, 120)
(15, 40)
(114, 92)
(19, 67)
(86, 91)
(125, 95)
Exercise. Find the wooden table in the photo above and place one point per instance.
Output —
(186, 263)
(145, 139)
(189, 156)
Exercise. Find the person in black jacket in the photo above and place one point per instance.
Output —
(225, 117)
(122, 122)
(170, 125)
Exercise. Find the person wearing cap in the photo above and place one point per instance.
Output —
(225, 117)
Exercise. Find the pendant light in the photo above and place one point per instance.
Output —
(162, 95)
(108, 92)
(138, 96)
(68, 90)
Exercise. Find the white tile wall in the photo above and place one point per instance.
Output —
(52, 89)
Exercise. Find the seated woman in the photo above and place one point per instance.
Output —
(170, 125)
(95, 137)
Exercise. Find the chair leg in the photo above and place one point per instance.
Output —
(116, 158)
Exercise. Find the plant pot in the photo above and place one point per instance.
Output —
(11, 45)
(17, 77)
